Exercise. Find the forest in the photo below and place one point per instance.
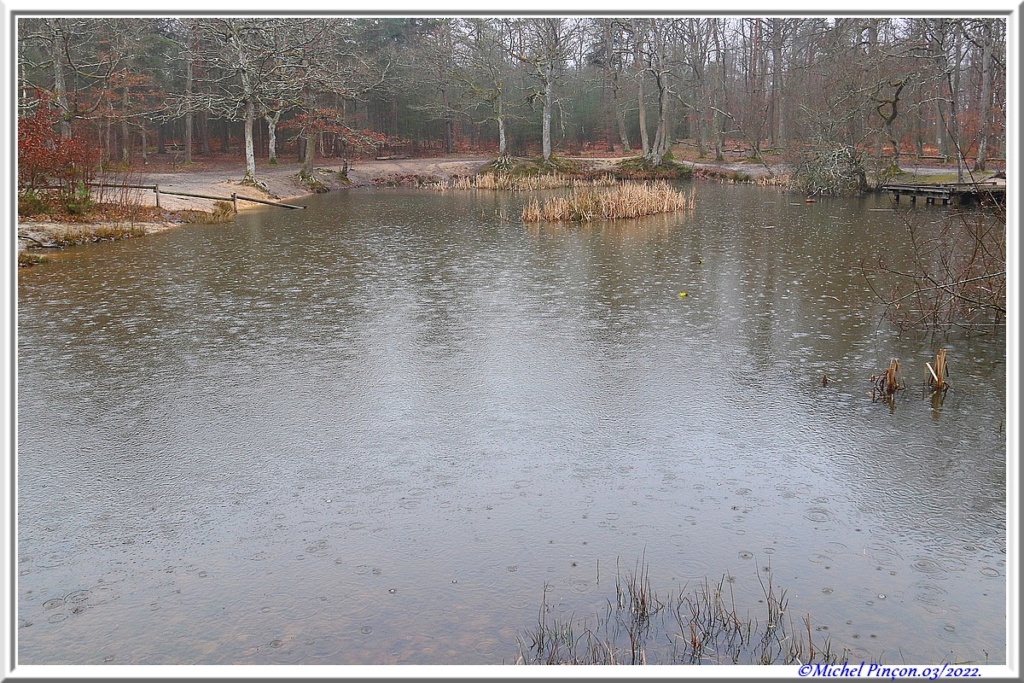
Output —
(841, 95)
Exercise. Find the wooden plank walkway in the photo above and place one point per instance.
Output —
(956, 193)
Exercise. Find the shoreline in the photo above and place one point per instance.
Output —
(220, 178)
(281, 180)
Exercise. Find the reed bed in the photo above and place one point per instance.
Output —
(519, 183)
(625, 200)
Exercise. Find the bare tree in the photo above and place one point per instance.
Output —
(546, 43)
(487, 75)
(984, 33)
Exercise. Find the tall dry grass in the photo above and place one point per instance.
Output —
(626, 200)
(519, 183)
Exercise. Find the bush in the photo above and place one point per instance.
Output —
(223, 212)
(31, 203)
(45, 157)
(832, 170)
(79, 201)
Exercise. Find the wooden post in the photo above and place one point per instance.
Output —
(156, 188)
(234, 201)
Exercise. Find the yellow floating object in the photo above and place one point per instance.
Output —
(682, 295)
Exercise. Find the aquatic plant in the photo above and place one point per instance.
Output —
(698, 626)
(887, 383)
(28, 258)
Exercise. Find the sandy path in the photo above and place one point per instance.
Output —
(282, 180)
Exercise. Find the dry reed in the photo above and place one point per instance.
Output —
(626, 200)
(517, 183)
(938, 374)
(887, 383)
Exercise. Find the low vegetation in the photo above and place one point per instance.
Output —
(641, 168)
(520, 167)
(223, 212)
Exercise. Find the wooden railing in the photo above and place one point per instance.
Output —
(156, 189)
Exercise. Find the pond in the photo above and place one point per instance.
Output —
(400, 426)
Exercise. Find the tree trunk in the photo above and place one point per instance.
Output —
(698, 134)
(59, 87)
(608, 91)
(661, 135)
(941, 138)
(309, 155)
(638, 62)
(549, 99)
(954, 99)
(660, 72)
(107, 150)
(718, 99)
(502, 135)
(778, 131)
(250, 154)
(189, 77)
(272, 120)
(125, 135)
(984, 101)
(204, 133)
(620, 118)
(310, 138)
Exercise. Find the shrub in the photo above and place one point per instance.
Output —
(79, 201)
(45, 157)
(32, 203)
(223, 212)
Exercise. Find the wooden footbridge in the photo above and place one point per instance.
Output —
(957, 193)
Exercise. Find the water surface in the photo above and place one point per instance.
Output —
(385, 429)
